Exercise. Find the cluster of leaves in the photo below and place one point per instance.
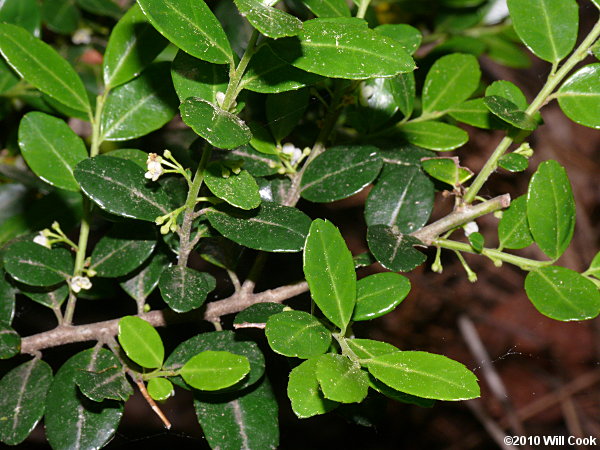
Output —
(235, 187)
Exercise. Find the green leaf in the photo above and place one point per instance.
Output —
(509, 112)
(547, 27)
(141, 342)
(23, 390)
(341, 380)
(503, 51)
(132, 154)
(562, 294)
(475, 113)
(220, 128)
(513, 229)
(514, 162)
(384, 389)
(61, 16)
(271, 227)
(402, 87)
(36, 265)
(25, 13)
(297, 334)
(328, 8)
(123, 249)
(551, 209)
(408, 36)
(10, 342)
(368, 349)
(184, 289)
(450, 81)
(377, 103)
(160, 388)
(262, 140)
(593, 270)
(402, 198)
(305, 393)
(8, 78)
(434, 135)
(220, 251)
(329, 271)
(339, 173)
(140, 106)
(239, 190)
(72, 420)
(579, 96)
(118, 186)
(52, 298)
(379, 294)
(447, 170)
(393, 249)
(41, 66)
(191, 26)
(477, 241)
(258, 313)
(145, 280)
(509, 91)
(132, 45)
(425, 375)
(270, 21)
(246, 419)
(195, 78)
(258, 164)
(338, 49)
(214, 370)
(285, 110)
(109, 383)
(100, 7)
(7, 300)
(51, 149)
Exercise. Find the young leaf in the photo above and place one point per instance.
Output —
(196, 78)
(446, 170)
(367, 349)
(61, 16)
(23, 390)
(239, 190)
(341, 380)
(297, 334)
(220, 128)
(514, 162)
(579, 96)
(40, 65)
(477, 241)
(160, 388)
(562, 294)
(594, 269)
(408, 36)
(270, 21)
(551, 209)
(509, 112)
(425, 375)
(393, 249)
(305, 393)
(141, 342)
(513, 229)
(285, 110)
(51, 149)
(10, 342)
(547, 27)
(379, 294)
(72, 420)
(329, 271)
(184, 289)
(328, 8)
(145, 280)
(214, 370)
(109, 383)
(434, 135)
(33, 264)
(191, 26)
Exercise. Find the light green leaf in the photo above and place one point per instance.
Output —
(196, 78)
(214, 370)
(328, 8)
(509, 91)
(447, 170)
(341, 380)
(402, 87)
(408, 36)
(184, 288)
(513, 229)
(160, 388)
(141, 342)
(239, 190)
(474, 112)
(8, 78)
(393, 249)
(384, 389)
(509, 112)
(305, 393)
(514, 162)
(579, 96)
(61, 16)
(33, 264)
(594, 269)
(379, 294)
(51, 149)
(434, 135)
(270, 21)
(297, 334)
(329, 271)
(562, 294)
(25, 13)
(367, 349)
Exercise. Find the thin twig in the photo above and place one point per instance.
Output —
(142, 387)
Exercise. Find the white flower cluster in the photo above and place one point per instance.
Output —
(154, 165)
(78, 283)
(293, 152)
(470, 228)
(42, 240)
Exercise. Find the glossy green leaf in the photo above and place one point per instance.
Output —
(328, 8)
(450, 81)
(25, 13)
(239, 190)
(379, 294)
(305, 393)
(513, 162)
(118, 186)
(109, 383)
(256, 163)
(341, 380)
(425, 375)
(10, 342)
(477, 241)
(474, 112)
(408, 36)
(338, 49)
(509, 91)
(123, 249)
(339, 173)
(402, 87)
(434, 135)
(132, 154)
(271, 227)
(8, 78)
(51, 149)
(594, 269)
(132, 45)
(547, 27)
(193, 77)
(7, 300)
(447, 170)
(368, 349)
(377, 103)
(258, 313)
(33, 264)
(23, 390)
(72, 420)
(562, 294)
(40, 65)
(285, 110)
(579, 96)
(402, 197)
(50, 298)
(384, 389)
(220, 128)
(61, 16)
(101, 7)
(140, 106)
(160, 388)
(270, 21)
(262, 140)
(393, 249)
(509, 112)
(144, 281)
(214, 370)
(329, 271)
(297, 334)
(551, 209)
(141, 342)
(184, 289)
(191, 26)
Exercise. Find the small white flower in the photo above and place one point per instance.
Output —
(42, 240)
(220, 97)
(293, 152)
(470, 228)
(82, 36)
(78, 283)
(497, 13)
(155, 169)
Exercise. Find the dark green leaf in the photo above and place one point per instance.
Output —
(297, 334)
(363, 260)
(434, 135)
(53, 298)
(275, 190)
(141, 342)
(196, 78)
(504, 51)
(109, 383)
(137, 156)
(367, 349)
(8, 78)
(160, 388)
(7, 300)
(214, 370)
(562, 294)
(270, 21)
(61, 16)
(36, 265)
(408, 36)
(258, 313)
(446, 170)
(10, 342)
(473, 112)
(144, 281)
(23, 390)
(339, 173)
(239, 190)
(513, 162)
(379, 294)
(477, 241)
(256, 163)
(509, 112)
(579, 96)
(393, 249)
(328, 8)
(341, 380)
(184, 289)
(100, 7)
(25, 13)
(285, 110)
(402, 87)
(262, 140)
(377, 102)
(305, 393)
(220, 251)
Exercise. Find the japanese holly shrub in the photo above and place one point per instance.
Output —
(314, 102)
